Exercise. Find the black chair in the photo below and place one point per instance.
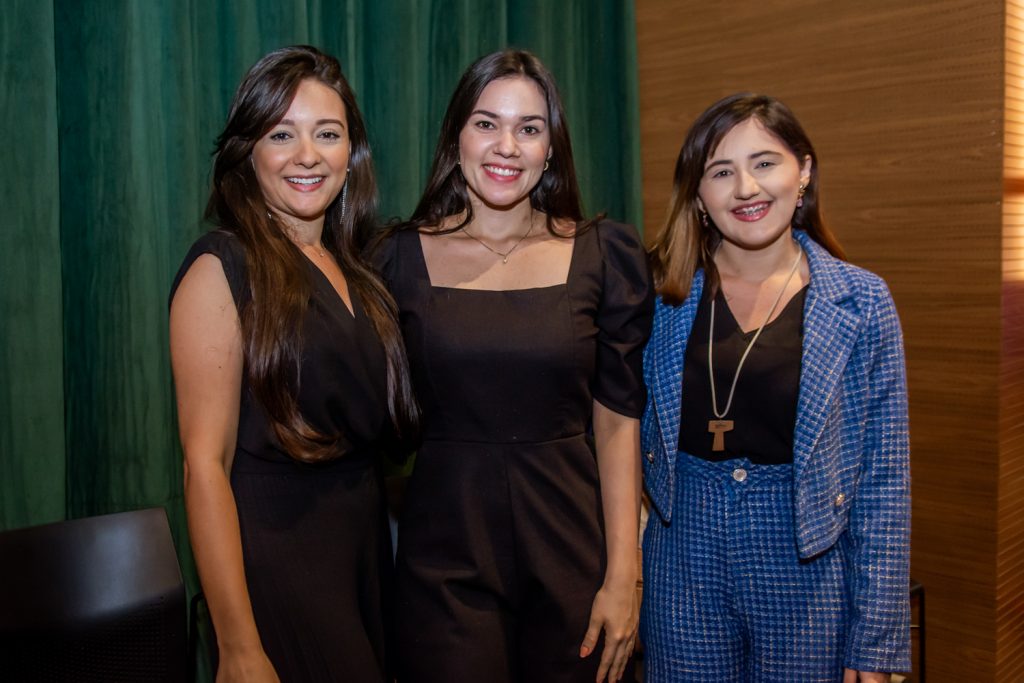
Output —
(917, 590)
(94, 599)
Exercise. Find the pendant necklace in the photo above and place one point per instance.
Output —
(504, 255)
(719, 426)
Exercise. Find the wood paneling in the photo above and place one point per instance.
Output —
(905, 105)
(1010, 557)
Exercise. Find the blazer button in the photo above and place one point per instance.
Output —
(650, 456)
(840, 499)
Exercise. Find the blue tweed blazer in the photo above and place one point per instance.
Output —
(851, 444)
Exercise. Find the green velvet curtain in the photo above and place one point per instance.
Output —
(110, 110)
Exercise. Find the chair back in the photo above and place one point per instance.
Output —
(93, 599)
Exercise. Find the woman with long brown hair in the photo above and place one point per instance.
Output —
(291, 380)
(525, 324)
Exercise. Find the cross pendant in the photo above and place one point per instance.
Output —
(719, 428)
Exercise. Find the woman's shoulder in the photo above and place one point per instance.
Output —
(384, 250)
(622, 252)
(221, 243)
(228, 249)
(615, 235)
(854, 288)
(842, 276)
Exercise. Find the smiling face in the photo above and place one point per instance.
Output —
(302, 161)
(751, 184)
(505, 142)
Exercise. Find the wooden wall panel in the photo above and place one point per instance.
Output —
(1010, 558)
(904, 102)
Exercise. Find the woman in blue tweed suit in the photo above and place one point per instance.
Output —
(775, 435)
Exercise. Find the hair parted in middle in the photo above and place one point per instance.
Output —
(687, 242)
(277, 271)
(446, 194)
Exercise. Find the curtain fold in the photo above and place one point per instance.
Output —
(113, 107)
(32, 457)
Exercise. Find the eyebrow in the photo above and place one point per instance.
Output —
(491, 114)
(319, 122)
(756, 155)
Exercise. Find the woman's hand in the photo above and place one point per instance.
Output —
(615, 612)
(251, 667)
(851, 676)
(615, 609)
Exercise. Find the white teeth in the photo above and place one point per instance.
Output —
(507, 172)
(305, 181)
(751, 210)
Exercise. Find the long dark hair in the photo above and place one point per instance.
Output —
(685, 243)
(278, 274)
(557, 194)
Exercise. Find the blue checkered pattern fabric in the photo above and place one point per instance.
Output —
(739, 571)
(851, 475)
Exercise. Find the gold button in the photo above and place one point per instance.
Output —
(739, 474)
(650, 456)
(840, 499)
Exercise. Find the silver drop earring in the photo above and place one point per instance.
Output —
(344, 195)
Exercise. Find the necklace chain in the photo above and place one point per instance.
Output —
(743, 358)
(504, 255)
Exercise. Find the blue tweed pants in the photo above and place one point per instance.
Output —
(726, 597)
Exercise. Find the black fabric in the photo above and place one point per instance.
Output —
(764, 405)
(501, 544)
(315, 539)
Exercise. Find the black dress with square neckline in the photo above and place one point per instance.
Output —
(501, 544)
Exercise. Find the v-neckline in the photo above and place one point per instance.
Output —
(771, 323)
(330, 286)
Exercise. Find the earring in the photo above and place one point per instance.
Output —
(344, 198)
(703, 218)
(800, 196)
(546, 164)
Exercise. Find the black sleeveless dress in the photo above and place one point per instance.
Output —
(315, 539)
(501, 544)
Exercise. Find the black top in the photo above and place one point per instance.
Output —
(342, 384)
(524, 365)
(763, 409)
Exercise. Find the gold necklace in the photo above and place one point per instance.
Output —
(319, 251)
(504, 255)
(719, 427)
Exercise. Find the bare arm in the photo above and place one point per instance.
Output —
(207, 359)
(615, 610)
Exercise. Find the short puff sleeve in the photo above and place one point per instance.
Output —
(624, 317)
(383, 255)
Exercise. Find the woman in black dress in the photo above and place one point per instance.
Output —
(525, 325)
(290, 379)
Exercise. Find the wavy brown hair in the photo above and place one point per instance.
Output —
(278, 274)
(557, 194)
(685, 244)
